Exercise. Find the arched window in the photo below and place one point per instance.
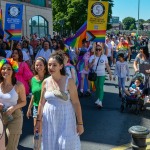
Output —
(38, 25)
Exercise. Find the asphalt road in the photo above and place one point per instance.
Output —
(105, 128)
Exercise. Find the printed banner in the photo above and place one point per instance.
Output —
(97, 20)
(13, 21)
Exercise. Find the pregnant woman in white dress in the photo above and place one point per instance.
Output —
(59, 109)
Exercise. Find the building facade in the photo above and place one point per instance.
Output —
(37, 16)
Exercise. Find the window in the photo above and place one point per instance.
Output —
(38, 25)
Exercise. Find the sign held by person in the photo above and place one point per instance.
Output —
(97, 20)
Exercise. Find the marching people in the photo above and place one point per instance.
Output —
(46, 51)
(12, 99)
(142, 58)
(59, 109)
(70, 69)
(24, 73)
(121, 71)
(98, 62)
(110, 51)
(40, 73)
(82, 67)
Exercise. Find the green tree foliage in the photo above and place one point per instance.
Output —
(132, 27)
(148, 21)
(141, 21)
(73, 13)
(127, 22)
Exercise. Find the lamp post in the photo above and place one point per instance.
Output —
(138, 17)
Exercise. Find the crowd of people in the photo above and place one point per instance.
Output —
(54, 76)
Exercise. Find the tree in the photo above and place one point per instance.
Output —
(132, 27)
(148, 21)
(127, 22)
(73, 12)
(141, 21)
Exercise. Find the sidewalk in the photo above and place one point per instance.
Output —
(128, 146)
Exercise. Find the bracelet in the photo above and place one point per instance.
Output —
(80, 124)
(38, 120)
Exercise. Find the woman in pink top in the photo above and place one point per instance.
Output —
(24, 74)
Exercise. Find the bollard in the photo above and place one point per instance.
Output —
(139, 134)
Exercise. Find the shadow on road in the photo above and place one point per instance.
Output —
(107, 126)
(24, 148)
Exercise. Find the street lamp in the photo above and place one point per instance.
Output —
(137, 25)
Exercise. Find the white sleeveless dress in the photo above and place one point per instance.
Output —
(59, 123)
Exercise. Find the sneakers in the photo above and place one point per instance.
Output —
(99, 103)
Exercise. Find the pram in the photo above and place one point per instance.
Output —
(134, 102)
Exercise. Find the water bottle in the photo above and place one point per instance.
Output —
(36, 135)
(36, 141)
(9, 117)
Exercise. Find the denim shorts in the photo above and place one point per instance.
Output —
(114, 54)
(35, 110)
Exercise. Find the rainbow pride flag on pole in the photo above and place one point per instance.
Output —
(76, 40)
(1, 23)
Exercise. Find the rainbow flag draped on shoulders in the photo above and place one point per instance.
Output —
(76, 40)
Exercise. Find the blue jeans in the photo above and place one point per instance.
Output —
(121, 83)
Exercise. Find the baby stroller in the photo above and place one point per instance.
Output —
(134, 102)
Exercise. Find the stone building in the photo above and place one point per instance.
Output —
(37, 16)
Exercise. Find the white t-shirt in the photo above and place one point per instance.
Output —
(101, 65)
(46, 54)
(109, 46)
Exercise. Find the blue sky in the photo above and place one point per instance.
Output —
(126, 8)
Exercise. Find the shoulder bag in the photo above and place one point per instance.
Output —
(92, 76)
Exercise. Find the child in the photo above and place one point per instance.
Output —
(122, 71)
(135, 89)
(70, 69)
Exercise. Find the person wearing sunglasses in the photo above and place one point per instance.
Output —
(98, 62)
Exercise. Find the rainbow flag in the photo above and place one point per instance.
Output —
(1, 21)
(15, 34)
(96, 35)
(76, 40)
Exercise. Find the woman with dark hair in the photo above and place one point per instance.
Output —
(46, 51)
(60, 46)
(10, 91)
(18, 45)
(40, 73)
(29, 51)
(24, 74)
(143, 58)
(59, 109)
(7, 50)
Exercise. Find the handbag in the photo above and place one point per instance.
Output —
(60, 94)
(92, 76)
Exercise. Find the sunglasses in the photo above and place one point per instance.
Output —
(98, 49)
